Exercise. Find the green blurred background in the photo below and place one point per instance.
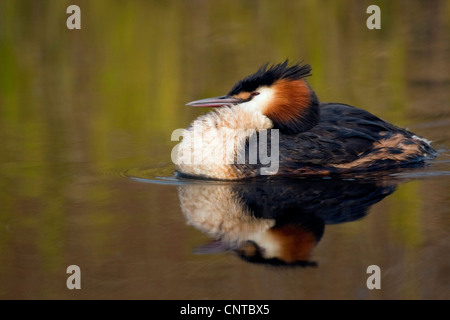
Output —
(78, 107)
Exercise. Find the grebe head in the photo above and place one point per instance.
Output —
(280, 92)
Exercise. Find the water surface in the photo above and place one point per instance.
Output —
(86, 177)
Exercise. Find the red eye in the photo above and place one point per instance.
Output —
(254, 93)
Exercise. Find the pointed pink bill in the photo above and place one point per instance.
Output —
(214, 102)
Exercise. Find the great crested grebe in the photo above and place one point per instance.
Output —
(313, 138)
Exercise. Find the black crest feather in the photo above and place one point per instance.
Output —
(266, 76)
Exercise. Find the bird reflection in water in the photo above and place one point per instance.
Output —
(276, 222)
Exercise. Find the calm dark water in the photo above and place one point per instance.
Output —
(86, 179)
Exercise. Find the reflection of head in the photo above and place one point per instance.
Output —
(276, 224)
(288, 245)
(289, 242)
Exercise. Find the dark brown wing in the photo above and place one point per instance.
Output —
(346, 139)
